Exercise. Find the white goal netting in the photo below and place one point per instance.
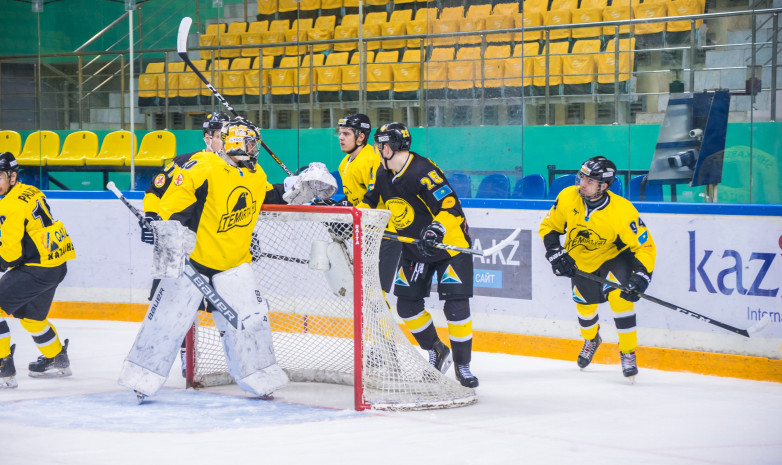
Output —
(331, 326)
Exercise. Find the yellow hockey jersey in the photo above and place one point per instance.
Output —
(159, 185)
(358, 175)
(29, 235)
(220, 203)
(592, 240)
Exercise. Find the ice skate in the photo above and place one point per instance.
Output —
(465, 376)
(588, 351)
(629, 366)
(440, 356)
(55, 367)
(8, 371)
(140, 397)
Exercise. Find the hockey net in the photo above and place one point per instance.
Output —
(328, 328)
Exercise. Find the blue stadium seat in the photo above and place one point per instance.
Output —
(531, 186)
(494, 186)
(616, 187)
(460, 182)
(652, 193)
(560, 183)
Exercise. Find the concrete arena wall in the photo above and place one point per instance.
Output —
(710, 260)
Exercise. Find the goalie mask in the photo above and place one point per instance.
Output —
(396, 135)
(240, 142)
(600, 169)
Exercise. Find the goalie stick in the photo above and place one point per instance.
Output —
(752, 330)
(181, 48)
(487, 252)
(194, 276)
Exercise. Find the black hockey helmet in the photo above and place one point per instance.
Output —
(396, 135)
(8, 162)
(214, 122)
(600, 169)
(358, 122)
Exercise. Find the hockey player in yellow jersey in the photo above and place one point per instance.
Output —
(34, 247)
(207, 217)
(423, 204)
(604, 235)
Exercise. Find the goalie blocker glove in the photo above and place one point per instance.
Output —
(430, 237)
(561, 262)
(636, 285)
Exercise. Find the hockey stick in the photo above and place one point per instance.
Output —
(181, 48)
(194, 276)
(487, 252)
(752, 330)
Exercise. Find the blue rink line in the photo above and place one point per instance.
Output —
(170, 410)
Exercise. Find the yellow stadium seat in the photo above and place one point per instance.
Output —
(114, 150)
(372, 26)
(447, 22)
(557, 18)
(556, 51)
(232, 80)
(210, 39)
(518, 69)
(350, 72)
(396, 26)
(462, 71)
(563, 5)
(616, 12)
(525, 20)
(330, 74)
(283, 78)
(76, 147)
(284, 6)
(348, 29)
(379, 73)
(149, 82)
(649, 11)
(407, 73)
(599, 4)
(420, 25)
(683, 8)
(606, 62)
(535, 6)
(586, 15)
(10, 141)
(493, 66)
(171, 80)
(253, 36)
(267, 7)
(579, 67)
(309, 5)
(38, 147)
(322, 30)
(214, 74)
(498, 21)
(436, 68)
(506, 9)
(377, 2)
(256, 82)
(298, 33)
(350, 3)
(275, 35)
(330, 4)
(157, 147)
(472, 24)
(232, 37)
(190, 85)
(307, 75)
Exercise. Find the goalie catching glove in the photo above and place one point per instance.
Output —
(315, 181)
(173, 244)
(430, 237)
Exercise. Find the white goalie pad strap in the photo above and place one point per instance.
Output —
(315, 181)
(173, 243)
(340, 273)
(171, 313)
(249, 351)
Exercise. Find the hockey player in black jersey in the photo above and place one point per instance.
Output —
(424, 205)
(604, 235)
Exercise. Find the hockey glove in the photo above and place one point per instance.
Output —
(561, 262)
(430, 236)
(636, 285)
(147, 236)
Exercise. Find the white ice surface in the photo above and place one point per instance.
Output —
(530, 411)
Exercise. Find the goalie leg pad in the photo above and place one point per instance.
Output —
(249, 351)
(340, 272)
(171, 313)
(319, 258)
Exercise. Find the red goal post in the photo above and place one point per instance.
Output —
(318, 269)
